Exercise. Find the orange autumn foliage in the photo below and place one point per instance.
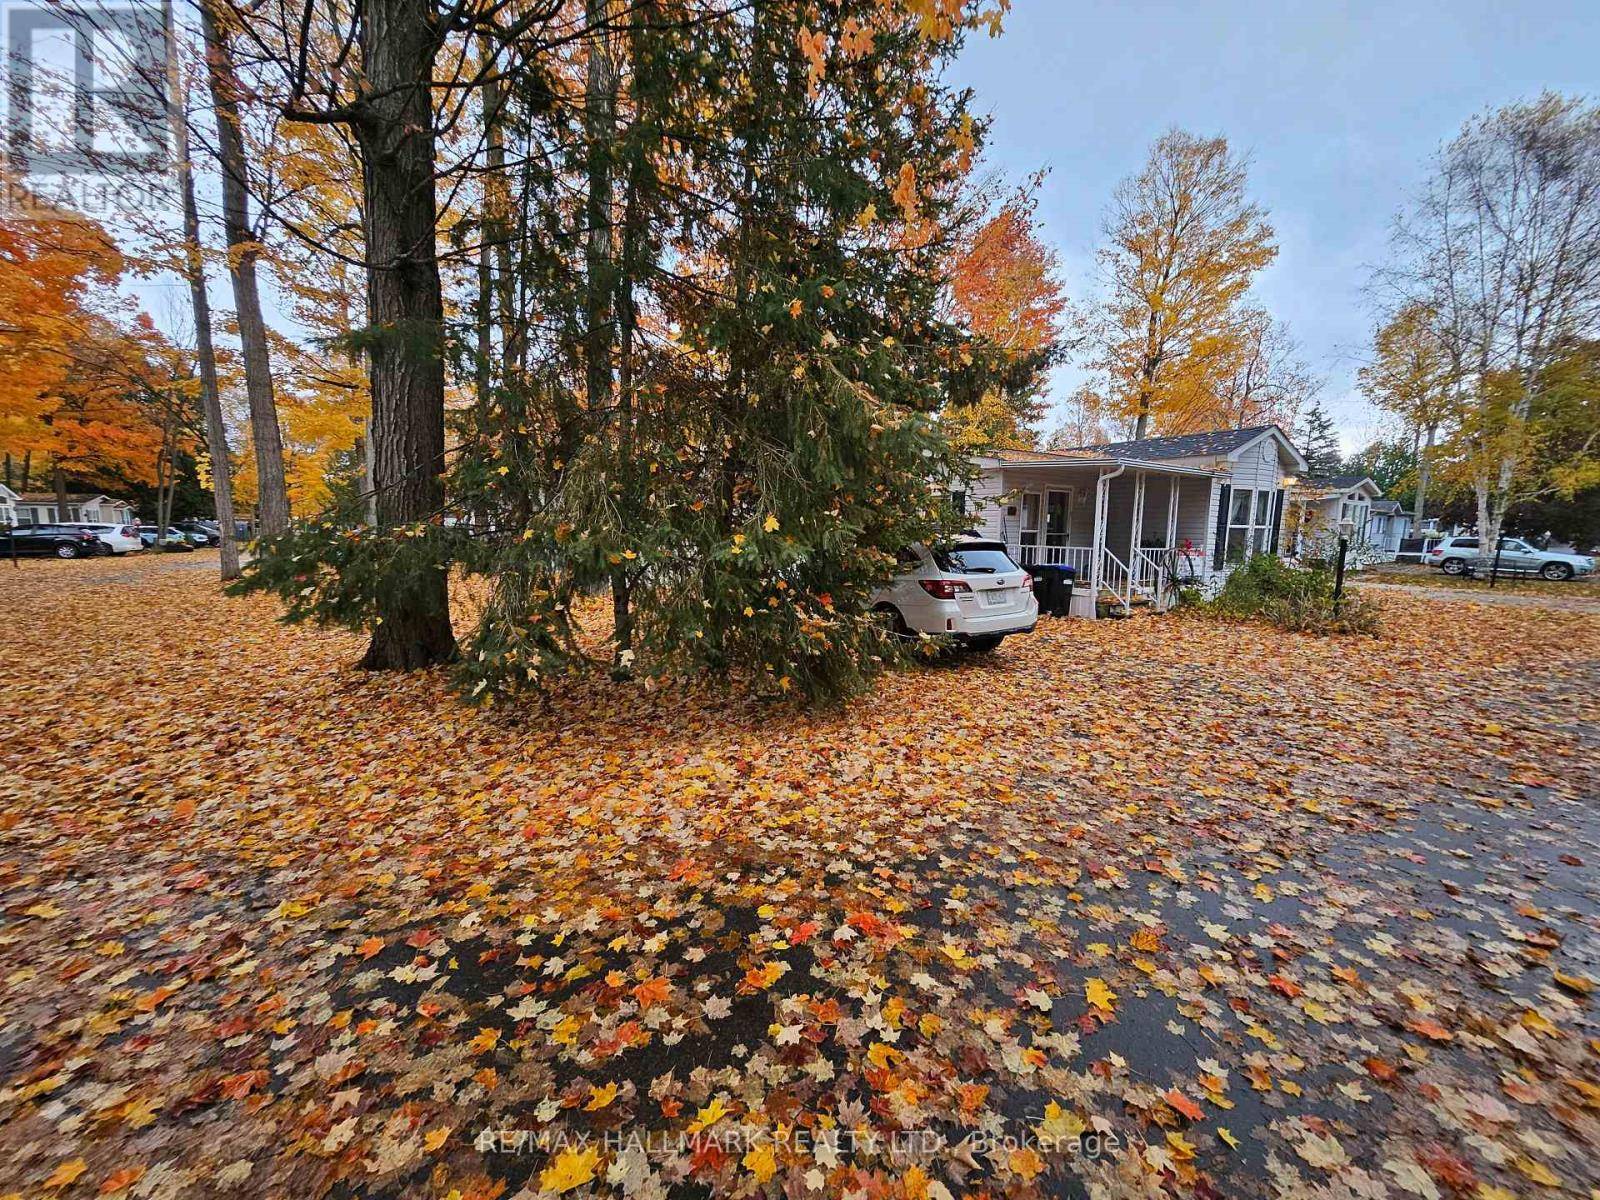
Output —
(1005, 283)
(48, 268)
(1005, 287)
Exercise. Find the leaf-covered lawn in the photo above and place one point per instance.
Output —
(1411, 575)
(1127, 907)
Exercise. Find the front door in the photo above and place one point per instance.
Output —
(1057, 519)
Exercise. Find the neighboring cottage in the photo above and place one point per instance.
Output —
(1387, 528)
(1319, 504)
(8, 505)
(39, 508)
(1130, 517)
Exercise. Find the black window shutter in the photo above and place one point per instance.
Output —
(1277, 520)
(1219, 555)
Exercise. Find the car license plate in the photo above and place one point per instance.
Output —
(997, 596)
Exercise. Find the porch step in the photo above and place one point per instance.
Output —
(1138, 600)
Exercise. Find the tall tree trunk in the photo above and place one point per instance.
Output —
(27, 469)
(489, 225)
(61, 495)
(200, 301)
(166, 477)
(600, 282)
(272, 494)
(406, 311)
(1424, 476)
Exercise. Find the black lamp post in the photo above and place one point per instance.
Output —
(1346, 528)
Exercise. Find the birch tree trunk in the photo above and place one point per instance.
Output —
(272, 504)
(210, 397)
(1424, 476)
(406, 312)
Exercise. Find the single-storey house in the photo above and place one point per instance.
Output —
(1133, 518)
(1319, 503)
(8, 505)
(1387, 527)
(39, 508)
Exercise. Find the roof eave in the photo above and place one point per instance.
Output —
(1141, 464)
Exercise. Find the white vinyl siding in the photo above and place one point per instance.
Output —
(984, 511)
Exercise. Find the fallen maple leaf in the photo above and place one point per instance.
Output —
(1098, 994)
(66, 1173)
(569, 1169)
(120, 1180)
(1183, 1104)
(436, 1138)
(761, 1161)
(1431, 1029)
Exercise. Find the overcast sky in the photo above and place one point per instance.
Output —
(1338, 106)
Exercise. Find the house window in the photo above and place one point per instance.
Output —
(1249, 523)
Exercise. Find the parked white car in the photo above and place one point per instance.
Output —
(1458, 555)
(970, 590)
(123, 539)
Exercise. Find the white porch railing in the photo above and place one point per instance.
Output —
(1144, 579)
(1150, 576)
(1079, 558)
(1116, 578)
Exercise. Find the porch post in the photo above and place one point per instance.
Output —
(1096, 550)
(1174, 482)
(1135, 536)
(1136, 532)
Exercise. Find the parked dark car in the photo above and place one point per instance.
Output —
(60, 541)
(205, 530)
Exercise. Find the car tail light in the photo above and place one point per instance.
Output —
(943, 589)
(1027, 581)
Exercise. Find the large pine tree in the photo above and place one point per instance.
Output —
(718, 346)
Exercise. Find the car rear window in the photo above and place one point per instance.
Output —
(974, 560)
(1465, 543)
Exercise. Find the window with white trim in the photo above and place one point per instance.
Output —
(1249, 523)
(1355, 509)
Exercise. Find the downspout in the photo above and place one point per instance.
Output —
(1102, 503)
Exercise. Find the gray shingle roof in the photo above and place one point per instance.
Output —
(1183, 445)
(1335, 481)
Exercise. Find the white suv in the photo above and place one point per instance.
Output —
(970, 590)
(123, 539)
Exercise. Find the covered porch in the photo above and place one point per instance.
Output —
(1127, 529)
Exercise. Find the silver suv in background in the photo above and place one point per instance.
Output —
(1459, 555)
